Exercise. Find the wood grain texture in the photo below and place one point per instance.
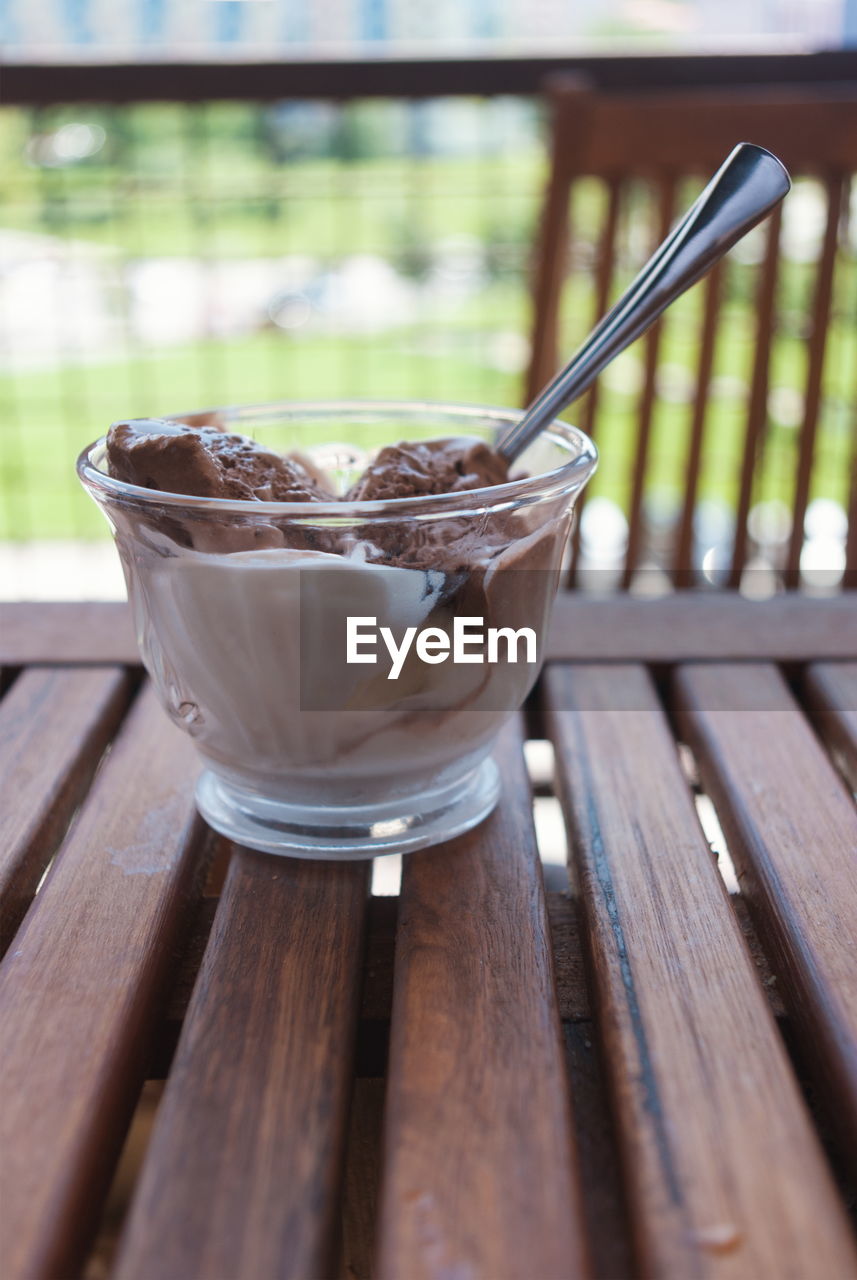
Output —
(376, 996)
(813, 130)
(704, 626)
(849, 578)
(604, 272)
(683, 572)
(479, 1169)
(666, 194)
(691, 626)
(603, 288)
(78, 992)
(79, 632)
(757, 403)
(834, 188)
(792, 832)
(831, 689)
(376, 988)
(568, 99)
(723, 1171)
(803, 73)
(54, 726)
(242, 1175)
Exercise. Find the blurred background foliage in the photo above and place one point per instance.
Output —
(157, 258)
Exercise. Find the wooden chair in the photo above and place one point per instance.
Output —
(663, 139)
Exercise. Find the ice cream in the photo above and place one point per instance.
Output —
(205, 462)
(241, 616)
(412, 470)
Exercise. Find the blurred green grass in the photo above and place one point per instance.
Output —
(207, 182)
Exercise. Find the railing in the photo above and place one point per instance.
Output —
(176, 236)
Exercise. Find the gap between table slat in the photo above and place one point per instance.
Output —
(480, 1173)
(243, 1172)
(79, 990)
(54, 726)
(792, 833)
(831, 692)
(725, 1176)
(362, 1173)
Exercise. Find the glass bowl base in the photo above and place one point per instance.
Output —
(335, 833)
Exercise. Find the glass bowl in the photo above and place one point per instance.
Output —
(261, 626)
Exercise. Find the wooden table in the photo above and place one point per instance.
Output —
(651, 1077)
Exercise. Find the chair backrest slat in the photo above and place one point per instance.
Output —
(812, 130)
(705, 364)
(850, 576)
(666, 198)
(549, 267)
(757, 403)
(834, 191)
(604, 273)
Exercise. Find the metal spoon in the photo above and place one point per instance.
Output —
(746, 187)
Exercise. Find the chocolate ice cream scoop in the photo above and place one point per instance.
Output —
(429, 467)
(207, 463)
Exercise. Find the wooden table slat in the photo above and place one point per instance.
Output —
(792, 832)
(722, 1168)
(702, 626)
(724, 1174)
(65, 632)
(79, 991)
(688, 626)
(54, 726)
(831, 689)
(480, 1175)
(244, 1167)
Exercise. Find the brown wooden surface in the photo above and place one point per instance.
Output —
(688, 626)
(551, 251)
(850, 577)
(54, 726)
(705, 626)
(713, 289)
(603, 292)
(82, 632)
(106, 975)
(573, 1000)
(724, 1173)
(78, 991)
(832, 692)
(834, 190)
(479, 1170)
(242, 1175)
(792, 831)
(665, 200)
(43, 83)
(812, 131)
(757, 401)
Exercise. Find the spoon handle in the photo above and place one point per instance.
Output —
(746, 187)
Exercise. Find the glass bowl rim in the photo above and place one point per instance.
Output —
(544, 484)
